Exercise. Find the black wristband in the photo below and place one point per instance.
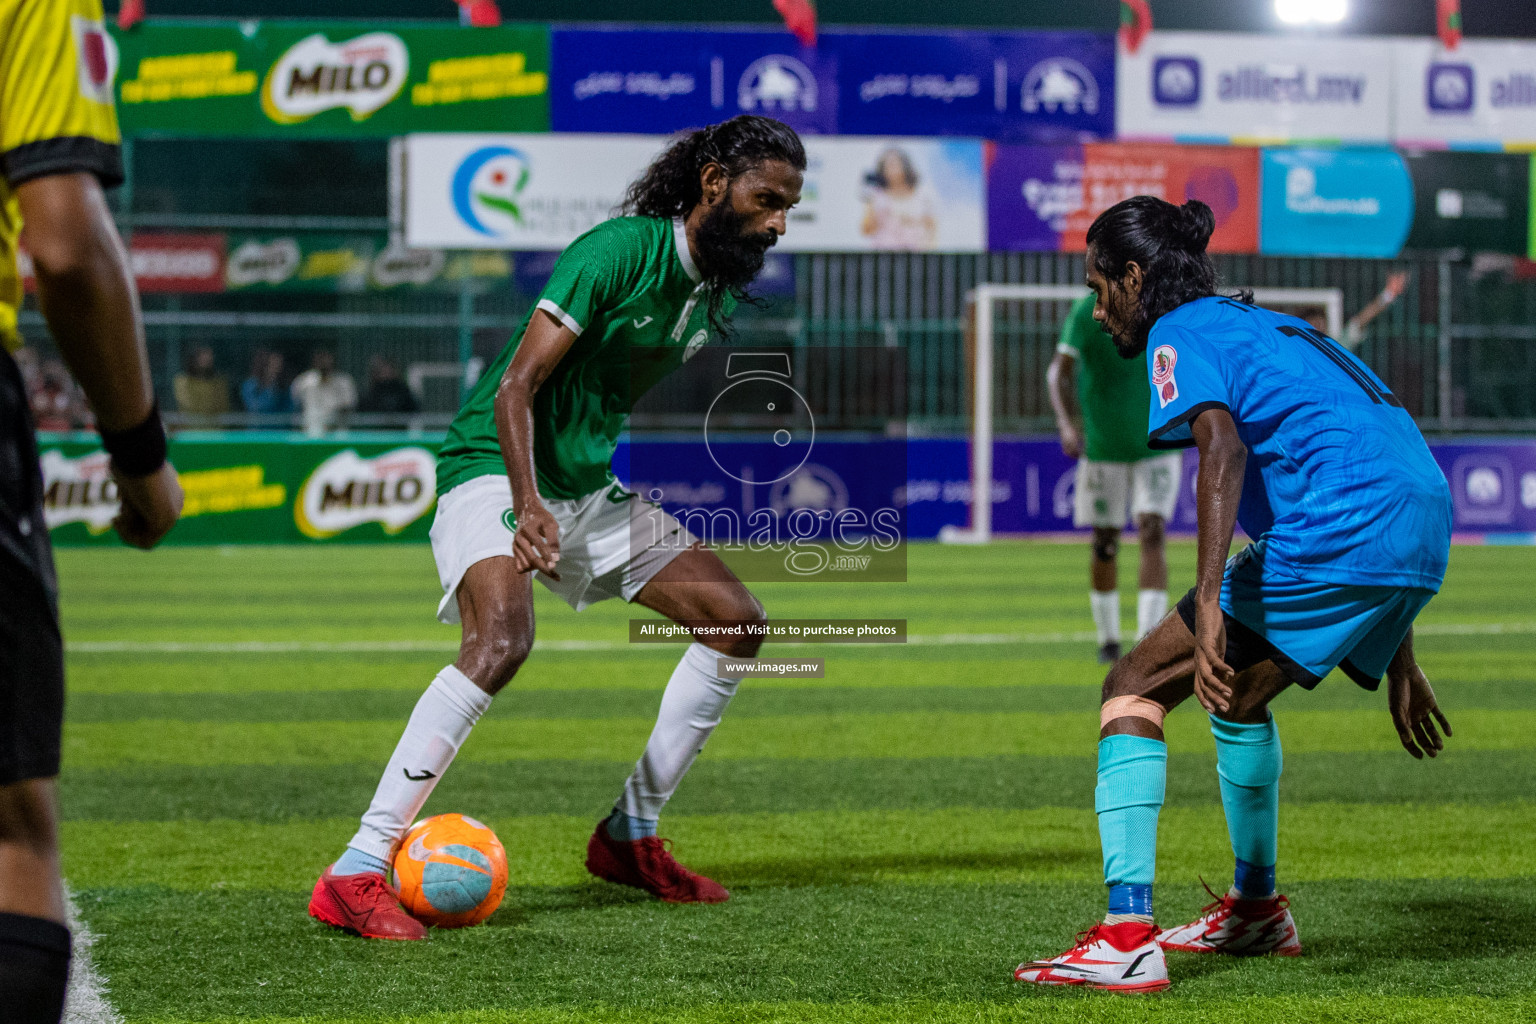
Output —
(140, 450)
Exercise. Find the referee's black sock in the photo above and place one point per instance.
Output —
(34, 969)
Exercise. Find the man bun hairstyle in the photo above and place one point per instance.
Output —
(670, 187)
(1168, 242)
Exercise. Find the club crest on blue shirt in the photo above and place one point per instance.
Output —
(1164, 358)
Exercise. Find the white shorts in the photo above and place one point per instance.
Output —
(611, 542)
(1152, 485)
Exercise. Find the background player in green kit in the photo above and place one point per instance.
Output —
(526, 491)
(1116, 471)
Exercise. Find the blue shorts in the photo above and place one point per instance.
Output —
(1309, 628)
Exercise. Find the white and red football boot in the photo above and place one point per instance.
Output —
(1238, 927)
(1113, 957)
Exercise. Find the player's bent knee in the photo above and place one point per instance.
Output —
(27, 815)
(492, 662)
(1105, 548)
(1132, 707)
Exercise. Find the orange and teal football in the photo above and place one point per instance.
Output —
(451, 871)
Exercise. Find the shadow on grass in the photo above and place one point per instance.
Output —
(851, 870)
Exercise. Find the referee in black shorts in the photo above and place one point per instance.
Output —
(58, 149)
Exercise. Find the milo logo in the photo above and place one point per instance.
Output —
(79, 490)
(315, 75)
(393, 489)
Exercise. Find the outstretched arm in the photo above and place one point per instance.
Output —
(537, 542)
(1354, 331)
(1061, 385)
(1218, 490)
(87, 295)
(1411, 700)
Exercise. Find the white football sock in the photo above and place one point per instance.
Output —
(1151, 606)
(691, 707)
(438, 727)
(1106, 615)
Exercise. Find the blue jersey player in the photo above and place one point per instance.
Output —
(1302, 445)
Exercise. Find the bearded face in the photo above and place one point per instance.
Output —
(729, 251)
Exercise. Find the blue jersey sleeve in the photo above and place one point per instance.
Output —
(1186, 380)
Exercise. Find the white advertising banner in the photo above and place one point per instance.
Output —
(516, 191)
(1482, 93)
(1254, 89)
(873, 194)
(520, 191)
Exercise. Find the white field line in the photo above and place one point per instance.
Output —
(439, 646)
(86, 1000)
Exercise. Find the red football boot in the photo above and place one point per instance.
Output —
(363, 904)
(1238, 927)
(648, 864)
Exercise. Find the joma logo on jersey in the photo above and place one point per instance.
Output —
(314, 75)
(393, 489)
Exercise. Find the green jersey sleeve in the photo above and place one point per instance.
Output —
(1078, 327)
(596, 272)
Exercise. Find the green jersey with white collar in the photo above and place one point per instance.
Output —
(631, 292)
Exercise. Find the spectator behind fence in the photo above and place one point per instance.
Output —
(202, 392)
(323, 395)
(56, 401)
(387, 392)
(262, 392)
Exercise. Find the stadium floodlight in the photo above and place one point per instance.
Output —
(1299, 301)
(1311, 12)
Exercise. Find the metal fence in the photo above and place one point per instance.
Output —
(1459, 347)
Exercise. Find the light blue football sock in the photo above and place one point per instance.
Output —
(1133, 777)
(356, 862)
(626, 829)
(1248, 761)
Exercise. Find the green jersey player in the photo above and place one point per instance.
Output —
(526, 491)
(1117, 474)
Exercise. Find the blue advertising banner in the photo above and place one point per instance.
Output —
(661, 81)
(1038, 87)
(1041, 87)
(1334, 202)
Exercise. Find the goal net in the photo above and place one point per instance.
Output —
(998, 307)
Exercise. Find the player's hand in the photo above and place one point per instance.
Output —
(536, 545)
(1411, 700)
(150, 506)
(1212, 674)
(1395, 285)
(1071, 441)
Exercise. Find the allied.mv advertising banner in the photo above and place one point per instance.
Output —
(1253, 89)
(1481, 94)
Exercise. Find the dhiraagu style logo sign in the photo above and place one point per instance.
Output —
(487, 189)
(393, 489)
(314, 75)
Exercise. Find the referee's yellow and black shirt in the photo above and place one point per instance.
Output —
(56, 116)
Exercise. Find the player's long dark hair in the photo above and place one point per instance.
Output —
(671, 186)
(1168, 242)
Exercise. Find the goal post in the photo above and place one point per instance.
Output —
(1329, 302)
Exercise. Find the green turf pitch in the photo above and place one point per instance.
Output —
(897, 836)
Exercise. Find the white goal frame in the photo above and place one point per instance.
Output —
(984, 297)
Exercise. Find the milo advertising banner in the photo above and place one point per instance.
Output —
(272, 489)
(317, 79)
